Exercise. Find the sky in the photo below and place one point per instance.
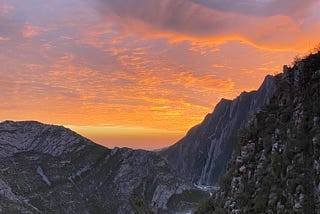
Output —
(140, 73)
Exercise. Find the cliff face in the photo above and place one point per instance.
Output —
(46, 168)
(202, 154)
(277, 167)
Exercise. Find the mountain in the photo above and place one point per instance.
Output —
(276, 169)
(268, 140)
(202, 154)
(50, 169)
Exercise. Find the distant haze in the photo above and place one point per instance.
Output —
(132, 137)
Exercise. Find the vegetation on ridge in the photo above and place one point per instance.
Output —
(276, 169)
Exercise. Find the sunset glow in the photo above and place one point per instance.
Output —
(140, 73)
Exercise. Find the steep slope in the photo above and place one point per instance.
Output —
(45, 169)
(277, 167)
(34, 136)
(202, 154)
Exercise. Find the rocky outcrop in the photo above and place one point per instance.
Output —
(276, 169)
(50, 169)
(202, 154)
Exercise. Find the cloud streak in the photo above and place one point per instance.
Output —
(30, 31)
(265, 8)
(267, 24)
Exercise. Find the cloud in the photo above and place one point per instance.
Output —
(291, 8)
(10, 27)
(177, 16)
(207, 82)
(4, 38)
(265, 24)
(5, 8)
(30, 31)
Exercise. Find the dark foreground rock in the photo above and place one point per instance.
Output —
(277, 167)
(50, 169)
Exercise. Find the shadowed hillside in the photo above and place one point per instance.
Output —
(276, 169)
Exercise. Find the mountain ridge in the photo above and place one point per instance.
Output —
(67, 173)
(203, 153)
(48, 168)
(276, 168)
(25, 136)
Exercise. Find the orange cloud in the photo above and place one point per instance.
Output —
(30, 31)
(277, 26)
(206, 82)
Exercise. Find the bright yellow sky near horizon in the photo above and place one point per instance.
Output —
(141, 73)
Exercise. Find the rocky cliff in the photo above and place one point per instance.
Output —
(277, 167)
(202, 154)
(50, 169)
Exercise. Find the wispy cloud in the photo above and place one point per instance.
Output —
(217, 21)
(30, 30)
(4, 38)
(291, 8)
(5, 8)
